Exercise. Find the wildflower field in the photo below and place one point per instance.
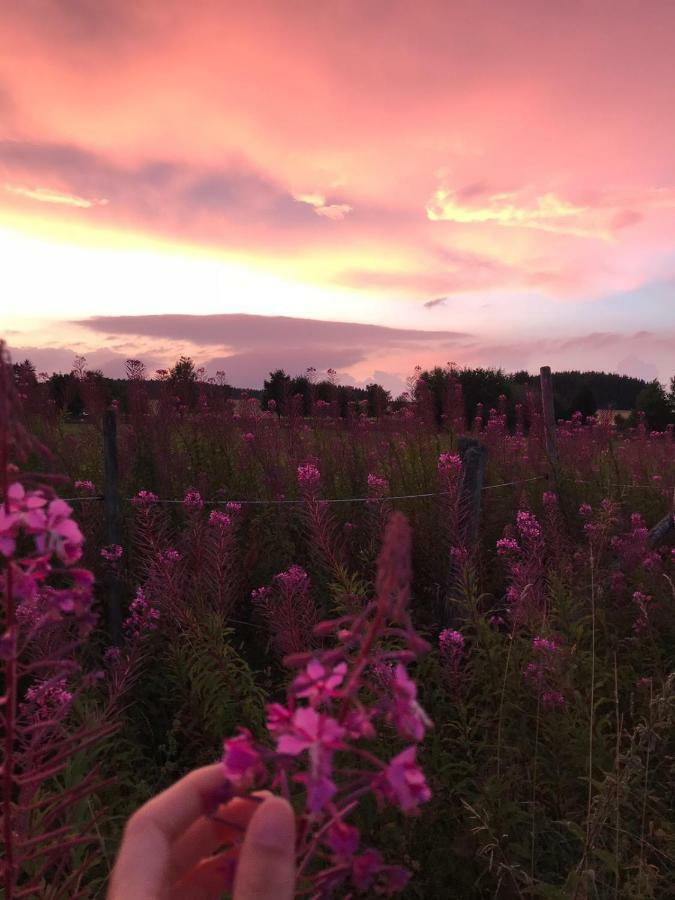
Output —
(453, 714)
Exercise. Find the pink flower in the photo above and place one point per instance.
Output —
(61, 535)
(404, 782)
(451, 642)
(319, 684)
(343, 840)
(321, 735)
(87, 486)
(242, 764)
(279, 719)
(220, 519)
(293, 579)
(49, 697)
(585, 510)
(527, 525)
(377, 485)
(233, 507)
(309, 729)
(507, 545)
(142, 617)
(193, 499)
(410, 719)
(112, 552)
(144, 498)
(449, 463)
(309, 476)
(249, 437)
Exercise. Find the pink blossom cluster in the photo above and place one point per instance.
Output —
(112, 552)
(193, 500)
(377, 485)
(41, 544)
(632, 547)
(309, 476)
(142, 616)
(323, 734)
(543, 672)
(219, 519)
(451, 645)
(88, 486)
(48, 522)
(524, 558)
(49, 697)
(528, 526)
(145, 498)
(449, 464)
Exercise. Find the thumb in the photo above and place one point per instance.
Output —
(266, 867)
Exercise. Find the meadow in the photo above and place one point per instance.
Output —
(249, 543)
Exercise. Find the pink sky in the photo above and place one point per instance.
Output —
(501, 170)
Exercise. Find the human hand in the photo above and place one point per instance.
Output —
(170, 846)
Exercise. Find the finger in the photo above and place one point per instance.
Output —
(209, 833)
(142, 865)
(266, 868)
(208, 879)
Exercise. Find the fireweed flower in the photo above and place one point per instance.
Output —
(144, 498)
(449, 464)
(88, 486)
(543, 672)
(377, 485)
(112, 552)
(309, 476)
(319, 684)
(321, 735)
(193, 500)
(219, 519)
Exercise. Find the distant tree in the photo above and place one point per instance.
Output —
(25, 376)
(135, 370)
(301, 386)
(277, 388)
(183, 380)
(654, 403)
(79, 367)
(183, 372)
(378, 399)
(671, 395)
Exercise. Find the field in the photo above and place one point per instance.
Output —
(549, 674)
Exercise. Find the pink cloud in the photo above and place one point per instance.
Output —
(539, 136)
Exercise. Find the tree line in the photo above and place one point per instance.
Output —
(480, 389)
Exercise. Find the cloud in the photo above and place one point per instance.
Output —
(231, 204)
(268, 332)
(45, 195)
(335, 211)
(471, 127)
(438, 301)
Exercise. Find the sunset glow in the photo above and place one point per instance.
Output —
(492, 182)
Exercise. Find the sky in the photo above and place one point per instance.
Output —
(365, 185)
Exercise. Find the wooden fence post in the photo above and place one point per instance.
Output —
(474, 459)
(112, 518)
(548, 410)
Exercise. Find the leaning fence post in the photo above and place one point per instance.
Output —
(112, 518)
(548, 410)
